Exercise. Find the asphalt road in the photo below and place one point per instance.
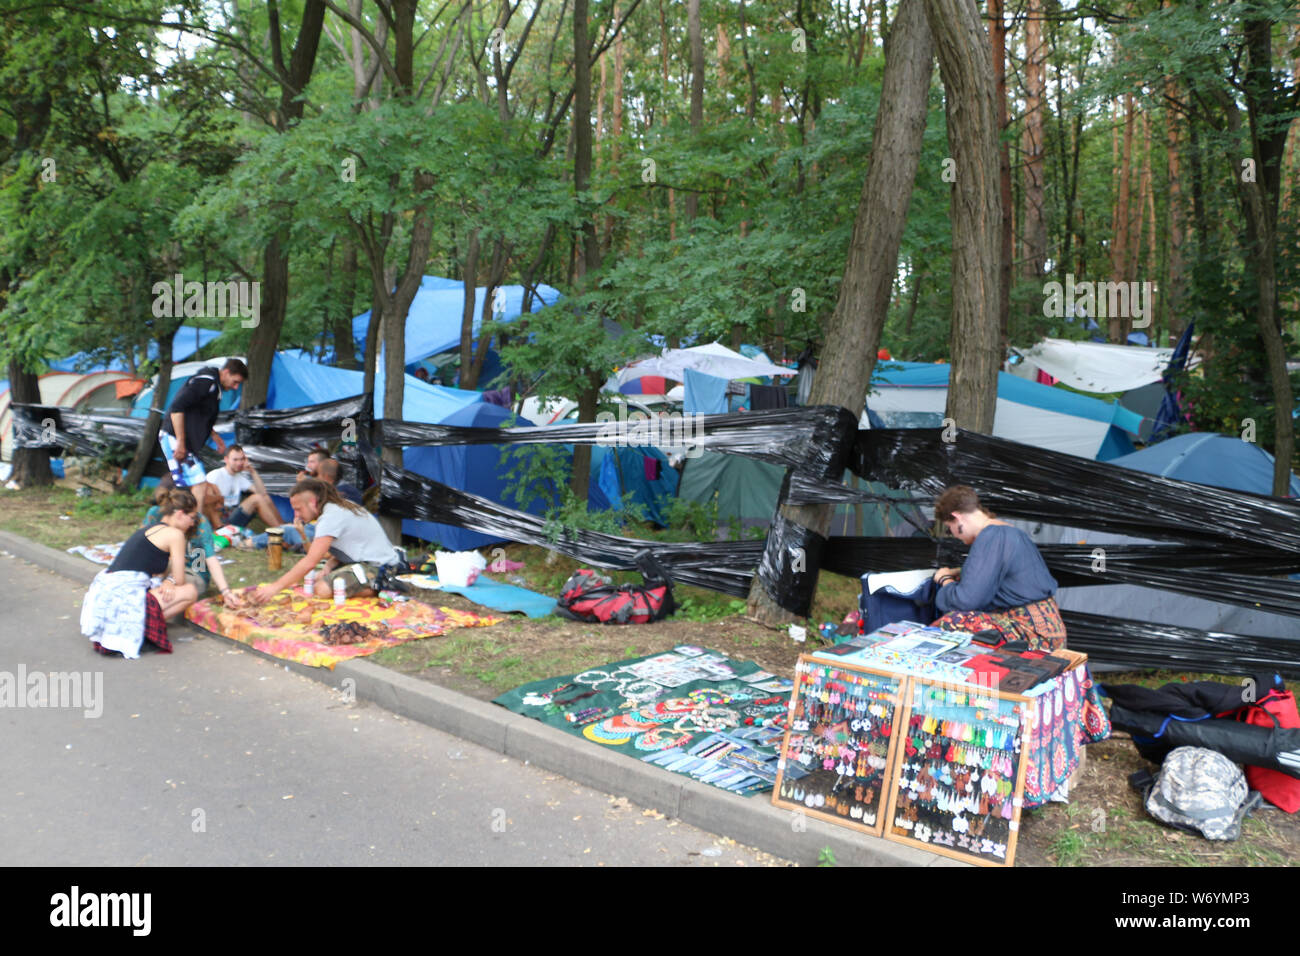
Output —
(215, 756)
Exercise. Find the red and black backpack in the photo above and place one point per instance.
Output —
(588, 596)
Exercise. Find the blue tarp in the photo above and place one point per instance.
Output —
(433, 322)
(183, 346)
(296, 381)
(1219, 460)
(478, 469)
(611, 478)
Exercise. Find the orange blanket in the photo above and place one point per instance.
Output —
(289, 625)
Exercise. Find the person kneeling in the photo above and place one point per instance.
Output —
(1004, 586)
(351, 537)
(120, 611)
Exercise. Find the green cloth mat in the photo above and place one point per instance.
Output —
(644, 727)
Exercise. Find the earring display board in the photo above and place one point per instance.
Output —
(835, 759)
(957, 785)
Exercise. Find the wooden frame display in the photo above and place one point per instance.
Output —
(838, 745)
(957, 784)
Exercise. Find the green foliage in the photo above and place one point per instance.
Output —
(689, 609)
(826, 857)
(697, 519)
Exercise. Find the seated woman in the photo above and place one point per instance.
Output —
(352, 537)
(120, 611)
(203, 571)
(1004, 585)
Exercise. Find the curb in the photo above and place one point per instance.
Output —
(751, 821)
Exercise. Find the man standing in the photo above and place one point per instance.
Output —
(236, 493)
(190, 419)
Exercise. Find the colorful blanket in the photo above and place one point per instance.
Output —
(294, 628)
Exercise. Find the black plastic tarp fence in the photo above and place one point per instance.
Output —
(1225, 545)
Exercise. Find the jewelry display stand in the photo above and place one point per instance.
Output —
(935, 765)
(840, 731)
(959, 781)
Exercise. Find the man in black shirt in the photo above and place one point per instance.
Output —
(189, 422)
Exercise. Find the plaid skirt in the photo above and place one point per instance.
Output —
(1039, 624)
(155, 629)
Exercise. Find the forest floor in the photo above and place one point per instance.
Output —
(1103, 825)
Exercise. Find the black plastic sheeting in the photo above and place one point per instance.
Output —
(1223, 536)
(1141, 644)
(324, 425)
(723, 566)
(1056, 488)
(76, 432)
(1184, 569)
(816, 441)
(789, 565)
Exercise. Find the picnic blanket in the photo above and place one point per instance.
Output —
(494, 594)
(99, 553)
(289, 626)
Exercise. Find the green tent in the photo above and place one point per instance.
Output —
(747, 490)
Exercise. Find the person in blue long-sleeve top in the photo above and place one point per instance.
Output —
(1004, 584)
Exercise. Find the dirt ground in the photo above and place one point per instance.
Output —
(1103, 825)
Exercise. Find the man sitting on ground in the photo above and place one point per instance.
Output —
(314, 458)
(329, 471)
(236, 493)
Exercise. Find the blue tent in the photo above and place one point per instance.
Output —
(297, 381)
(1219, 460)
(433, 321)
(478, 469)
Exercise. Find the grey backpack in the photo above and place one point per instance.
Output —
(1198, 790)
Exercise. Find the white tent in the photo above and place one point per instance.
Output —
(94, 390)
(908, 394)
(712, 359)
(1097, 367)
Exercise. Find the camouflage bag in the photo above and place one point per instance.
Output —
(1200, 791)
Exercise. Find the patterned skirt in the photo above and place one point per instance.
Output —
(1039, 624)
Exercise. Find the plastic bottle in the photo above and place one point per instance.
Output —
(309, 583)
(340, 591)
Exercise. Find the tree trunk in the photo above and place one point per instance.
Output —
(967, 70)
(467, 308)
(589, 261)
(1035, 249)
(696, 38)
(158, 407)
(998, 50)
(345, 349)
(274, 292)
(31, 466)
(1171, 301)
(853, 331)
(1119, 260)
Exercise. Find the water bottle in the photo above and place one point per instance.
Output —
(309, 583)
(340, 591)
